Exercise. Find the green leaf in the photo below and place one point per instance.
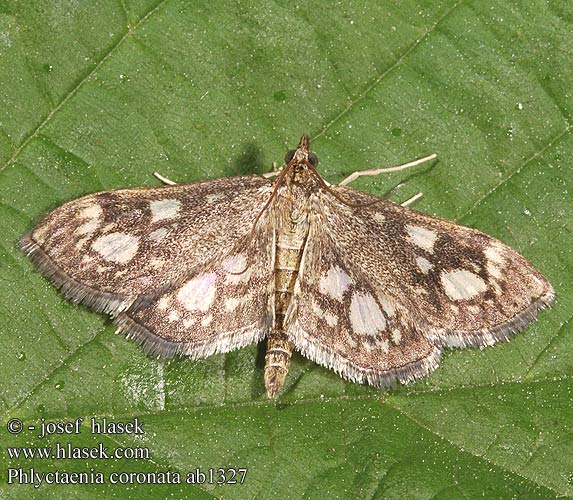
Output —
(99, 95)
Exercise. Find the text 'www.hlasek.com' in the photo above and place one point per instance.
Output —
(48, 465)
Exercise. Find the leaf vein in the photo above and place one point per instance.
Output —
(535, 155)
(553, 337)
(78, 86)
(462, 449)
(386, 72)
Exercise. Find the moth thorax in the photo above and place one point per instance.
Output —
(303, 178)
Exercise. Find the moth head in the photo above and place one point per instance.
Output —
(302, 154)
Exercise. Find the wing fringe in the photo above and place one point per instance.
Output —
(377, 378)
(162, 348)
(490, 336)
(109, 303)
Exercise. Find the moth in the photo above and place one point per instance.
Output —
(356, 283)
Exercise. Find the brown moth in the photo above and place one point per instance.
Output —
(356, 283)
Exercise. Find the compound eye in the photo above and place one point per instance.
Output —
(289, 156)
(312, 159)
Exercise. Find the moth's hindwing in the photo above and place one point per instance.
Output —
(382, 285)
(108, 248)
(342, 320)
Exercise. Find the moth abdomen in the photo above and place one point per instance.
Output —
(279, 347)
(277, 361)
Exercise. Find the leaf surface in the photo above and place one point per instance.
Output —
(100, 95)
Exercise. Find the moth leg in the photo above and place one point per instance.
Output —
(268, 175)
(276, 171)
(411, 200)
(378, 171)
(165, 180)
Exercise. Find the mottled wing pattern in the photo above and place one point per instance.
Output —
(108, 248)
(382, 288)
(463, 287)
(223, 305)
(342, 320)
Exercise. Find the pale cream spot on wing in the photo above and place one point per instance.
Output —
(495, 261)
(108, 227)
(493, 254)
(462, 284)
(334, 283)
(88, 227)
(163, 303)
(102, 269)
(422, 237)
(214, 197)
(164, 209)
(331, 319)
(232, 303)
(388, 304)
(383, 344)
(173, 316)
(158, 234)
(493, 270)
(188, 322)
(396, 336)
(199, 293)
(157, 263)
(316, 309)
(237, 269)
(235, 263)
(40, 234)
(207, 320)
(91, 212)
(378, 217)
(350, 341)
(81, 242)
(117, 247)
(366, 317)
(87, 258)
(424, 264)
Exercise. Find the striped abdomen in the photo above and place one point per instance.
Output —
(279, 348)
